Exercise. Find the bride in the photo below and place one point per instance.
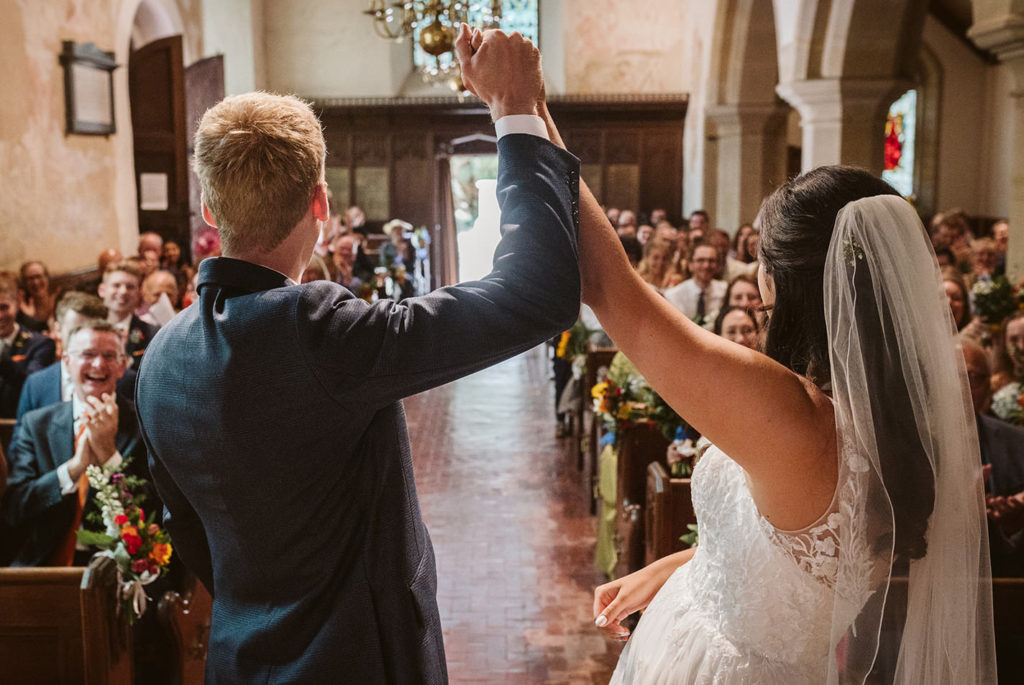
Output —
(842, 526)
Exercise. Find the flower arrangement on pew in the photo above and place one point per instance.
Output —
(140, 548)
(635, 401)
(994, 300)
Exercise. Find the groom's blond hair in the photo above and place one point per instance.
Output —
(259, 158)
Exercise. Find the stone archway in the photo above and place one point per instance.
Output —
(744, 117)
(841, 65)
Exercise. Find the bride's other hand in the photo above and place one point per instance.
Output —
(618, 599)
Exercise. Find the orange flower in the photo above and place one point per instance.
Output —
(161, 553)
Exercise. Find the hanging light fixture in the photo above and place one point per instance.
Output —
(438, 23)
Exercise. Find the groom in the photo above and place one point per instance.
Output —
(272, 411)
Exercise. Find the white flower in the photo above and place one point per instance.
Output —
(1006, 403)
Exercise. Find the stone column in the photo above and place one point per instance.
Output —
(843, 120)
(751, 145)
(1002, 33)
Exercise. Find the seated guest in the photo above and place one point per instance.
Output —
(344, 258)
(700, 297)
(743, 292)
(960, 305)
(316, 270)
(627, 223)
(944, 256)
(355, 220)
(1001, 234)
(35, 302)
(613, 215)
(1002, 453)
(657, 216)
(170, 258)
(739, 240)
(679, 270)
(158, 283)
(53, 384)
(398, 250)
(47, 487)
(729, 267)
(666, 231)
(984, 259)
(22, 352)
(1009, 352)
(739, 325)
(644, 234)
(654, 266)
(700, 220)
(121, 292)
(634, 251)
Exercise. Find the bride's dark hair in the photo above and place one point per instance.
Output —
(797, 222)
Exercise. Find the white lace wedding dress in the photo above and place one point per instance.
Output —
(754, 605)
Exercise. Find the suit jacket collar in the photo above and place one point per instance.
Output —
(239, 275)
(62, 434)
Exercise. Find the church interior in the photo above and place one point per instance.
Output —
(535, 483)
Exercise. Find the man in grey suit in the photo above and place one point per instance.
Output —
(272, 411)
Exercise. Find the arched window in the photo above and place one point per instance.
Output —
(900, 139)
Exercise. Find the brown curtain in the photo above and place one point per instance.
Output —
(444, 245)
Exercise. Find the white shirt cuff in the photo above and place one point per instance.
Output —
(529, 124)
(67, 486)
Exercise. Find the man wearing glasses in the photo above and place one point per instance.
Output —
(47, 491)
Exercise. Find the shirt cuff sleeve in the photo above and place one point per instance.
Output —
(67, 486)
(115, 460)
(521, 123)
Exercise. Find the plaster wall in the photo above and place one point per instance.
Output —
(625, 47)
(228, 30)
(327, 48)
(998, 143)
(57, 192)
(699, 191)
(965, 121)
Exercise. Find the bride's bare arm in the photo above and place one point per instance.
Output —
(775, 423)
(618, 599)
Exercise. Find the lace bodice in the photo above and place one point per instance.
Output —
(764, 590)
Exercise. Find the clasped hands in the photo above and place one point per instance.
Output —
(502, 70)
(96, 443)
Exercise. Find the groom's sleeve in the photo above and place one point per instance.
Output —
(375, 354)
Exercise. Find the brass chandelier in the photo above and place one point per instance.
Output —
(438, 23)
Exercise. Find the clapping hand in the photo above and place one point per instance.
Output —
(1008, 512)
(502, 70)
(100, 423)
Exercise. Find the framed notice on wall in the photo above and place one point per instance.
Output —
(88, 89)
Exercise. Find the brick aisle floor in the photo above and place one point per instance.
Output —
(514, 542)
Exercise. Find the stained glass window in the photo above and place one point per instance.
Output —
(516, 15)
(900, 136)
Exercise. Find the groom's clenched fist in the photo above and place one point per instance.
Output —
(502, 70)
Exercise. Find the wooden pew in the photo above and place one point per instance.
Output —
(639, 446)
(186, 616)
(589, 436)
(668, 510)
(59, 625)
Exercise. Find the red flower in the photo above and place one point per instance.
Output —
(132, 542)
(142, 515)
(140, 565)
(120, 520)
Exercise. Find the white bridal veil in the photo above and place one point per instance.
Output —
(908, 445)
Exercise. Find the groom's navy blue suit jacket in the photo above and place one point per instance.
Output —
(278, 440)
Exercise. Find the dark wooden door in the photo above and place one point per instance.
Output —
(156, 75)
(204, 87)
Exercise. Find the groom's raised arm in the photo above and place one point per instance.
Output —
(379, 353)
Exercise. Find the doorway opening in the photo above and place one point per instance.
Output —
(477, 221)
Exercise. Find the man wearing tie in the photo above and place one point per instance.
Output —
(48, 491)
(700, 297)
